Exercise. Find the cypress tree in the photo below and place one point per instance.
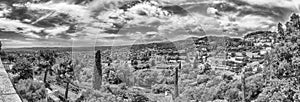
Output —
(97, 71)
(176, 80)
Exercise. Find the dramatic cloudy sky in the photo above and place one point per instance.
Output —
(110, 22)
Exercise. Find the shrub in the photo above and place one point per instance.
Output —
(161, 88)
(31, 91)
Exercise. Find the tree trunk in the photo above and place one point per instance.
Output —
(66, 92)
(45, 76)
(97, 71)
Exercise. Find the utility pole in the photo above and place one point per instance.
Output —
(0, 46)
(243, 85)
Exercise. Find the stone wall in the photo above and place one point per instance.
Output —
(7, 91)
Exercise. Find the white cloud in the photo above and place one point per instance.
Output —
(291, 4)
(110, 15)
(104, 5)
(152, 33)
(57, 30)
(4, 39)
(170, 26)
(212, 10)
(32, 35)
(78, 12)
(149, 9)
(185, 23)
(17, 42)
(133, 16)
(246, 22)
(92, 30)
(17, 26)
(233, 24)
(252, 22)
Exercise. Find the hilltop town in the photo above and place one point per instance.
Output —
(169, 66)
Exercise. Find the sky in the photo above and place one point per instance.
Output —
(63, 23)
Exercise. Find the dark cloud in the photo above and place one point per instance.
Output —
(238, 17)
(63, 36)
(199, 8)
(238, 2)
(150, 36)
(225, 7)
(278, 13)
(135, 29)
(10, 35)
(123, 37)
(175, 9)
(244, 8)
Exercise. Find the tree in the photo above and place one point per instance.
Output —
(152, 62)
(280, 29)
(146, 77)
(65, 74)
(46, 61)
(97, 96)
(97, 71)
(255, 85)
(161, 88)
(11, 58)
(23, 69)
(31, 91)
(295, 20)
(281, 68)
(125, 74)
(78, 69)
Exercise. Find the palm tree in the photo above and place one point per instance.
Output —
(65, 74)
(46, 61)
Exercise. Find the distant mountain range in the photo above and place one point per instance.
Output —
(180, 44)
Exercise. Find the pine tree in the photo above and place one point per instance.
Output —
(294, 23)
(295, 20)
(280, 29)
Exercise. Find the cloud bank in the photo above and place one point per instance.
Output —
(60, 23)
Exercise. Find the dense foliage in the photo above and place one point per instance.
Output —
(31, 91)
